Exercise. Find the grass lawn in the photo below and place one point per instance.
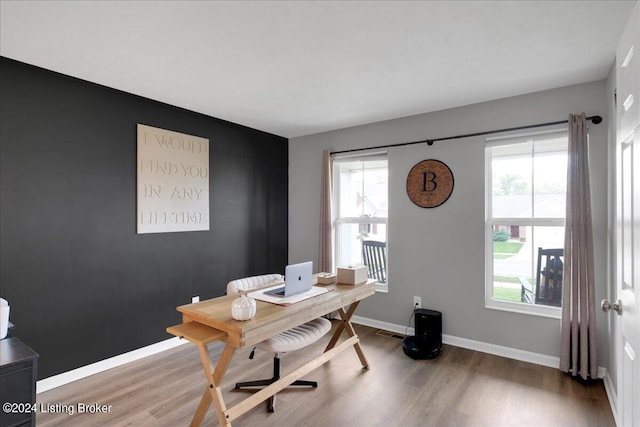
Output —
(507, 294)
(504, 250)
(507, 247)
(510, 279)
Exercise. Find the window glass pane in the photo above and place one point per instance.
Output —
(550, 178)
(350, 179)
(361, 201)
(350, 237)
(511, 167)
(529, 177)
(548, 253)
(375, 189)
(512, 261)
(516, 264)
(362, 188)
(528, 187)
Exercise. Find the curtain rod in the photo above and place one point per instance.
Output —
(594, 119)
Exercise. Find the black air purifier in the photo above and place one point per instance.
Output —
(427, 342)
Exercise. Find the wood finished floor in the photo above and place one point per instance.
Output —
(459, 388)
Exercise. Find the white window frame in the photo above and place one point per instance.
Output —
(337, 221)
(490, 302)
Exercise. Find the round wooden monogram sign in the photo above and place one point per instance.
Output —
(429, 183)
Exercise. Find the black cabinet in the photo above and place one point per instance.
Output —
(18, 373)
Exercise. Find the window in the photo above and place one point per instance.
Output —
(526, 180)
(361, 209)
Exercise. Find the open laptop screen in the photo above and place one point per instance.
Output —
(297, 279)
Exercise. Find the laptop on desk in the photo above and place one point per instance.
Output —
(297, 279)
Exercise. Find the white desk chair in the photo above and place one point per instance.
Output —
(289, 340)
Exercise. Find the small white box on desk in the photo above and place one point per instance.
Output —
(326, 278)
(352, 275)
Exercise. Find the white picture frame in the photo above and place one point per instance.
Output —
(172, 181)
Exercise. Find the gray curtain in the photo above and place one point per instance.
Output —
(578, 352)
(325, 254)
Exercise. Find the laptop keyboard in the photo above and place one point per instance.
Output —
(276, 291)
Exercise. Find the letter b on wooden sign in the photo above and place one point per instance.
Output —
(429, 183)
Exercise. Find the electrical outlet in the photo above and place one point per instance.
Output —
(195, 299)
(417, 302)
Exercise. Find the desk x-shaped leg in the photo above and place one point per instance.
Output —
(202, 335)
(346, 324)
(214, 376)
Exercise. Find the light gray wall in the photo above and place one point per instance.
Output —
(438, 253)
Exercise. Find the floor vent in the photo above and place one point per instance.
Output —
(390, 334)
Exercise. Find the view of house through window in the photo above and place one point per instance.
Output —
(526, 196)
(361, 206)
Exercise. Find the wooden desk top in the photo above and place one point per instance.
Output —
(271, 319)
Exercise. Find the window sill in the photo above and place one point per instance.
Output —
(382, 288)
(522, 308)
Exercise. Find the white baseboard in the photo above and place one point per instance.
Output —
(612, 395)
(391, 327)
(498, 350)
(483, 347)
(94, 368)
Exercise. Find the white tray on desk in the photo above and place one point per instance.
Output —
(260, 295)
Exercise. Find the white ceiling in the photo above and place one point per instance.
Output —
(295, 68)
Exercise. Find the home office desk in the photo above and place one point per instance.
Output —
(209, 321)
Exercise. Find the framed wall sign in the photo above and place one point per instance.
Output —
(429, 183)
(173, 181)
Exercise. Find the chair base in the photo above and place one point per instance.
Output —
(264, 383)
(271, 402)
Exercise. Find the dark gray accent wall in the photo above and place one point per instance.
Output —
(82, 285)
